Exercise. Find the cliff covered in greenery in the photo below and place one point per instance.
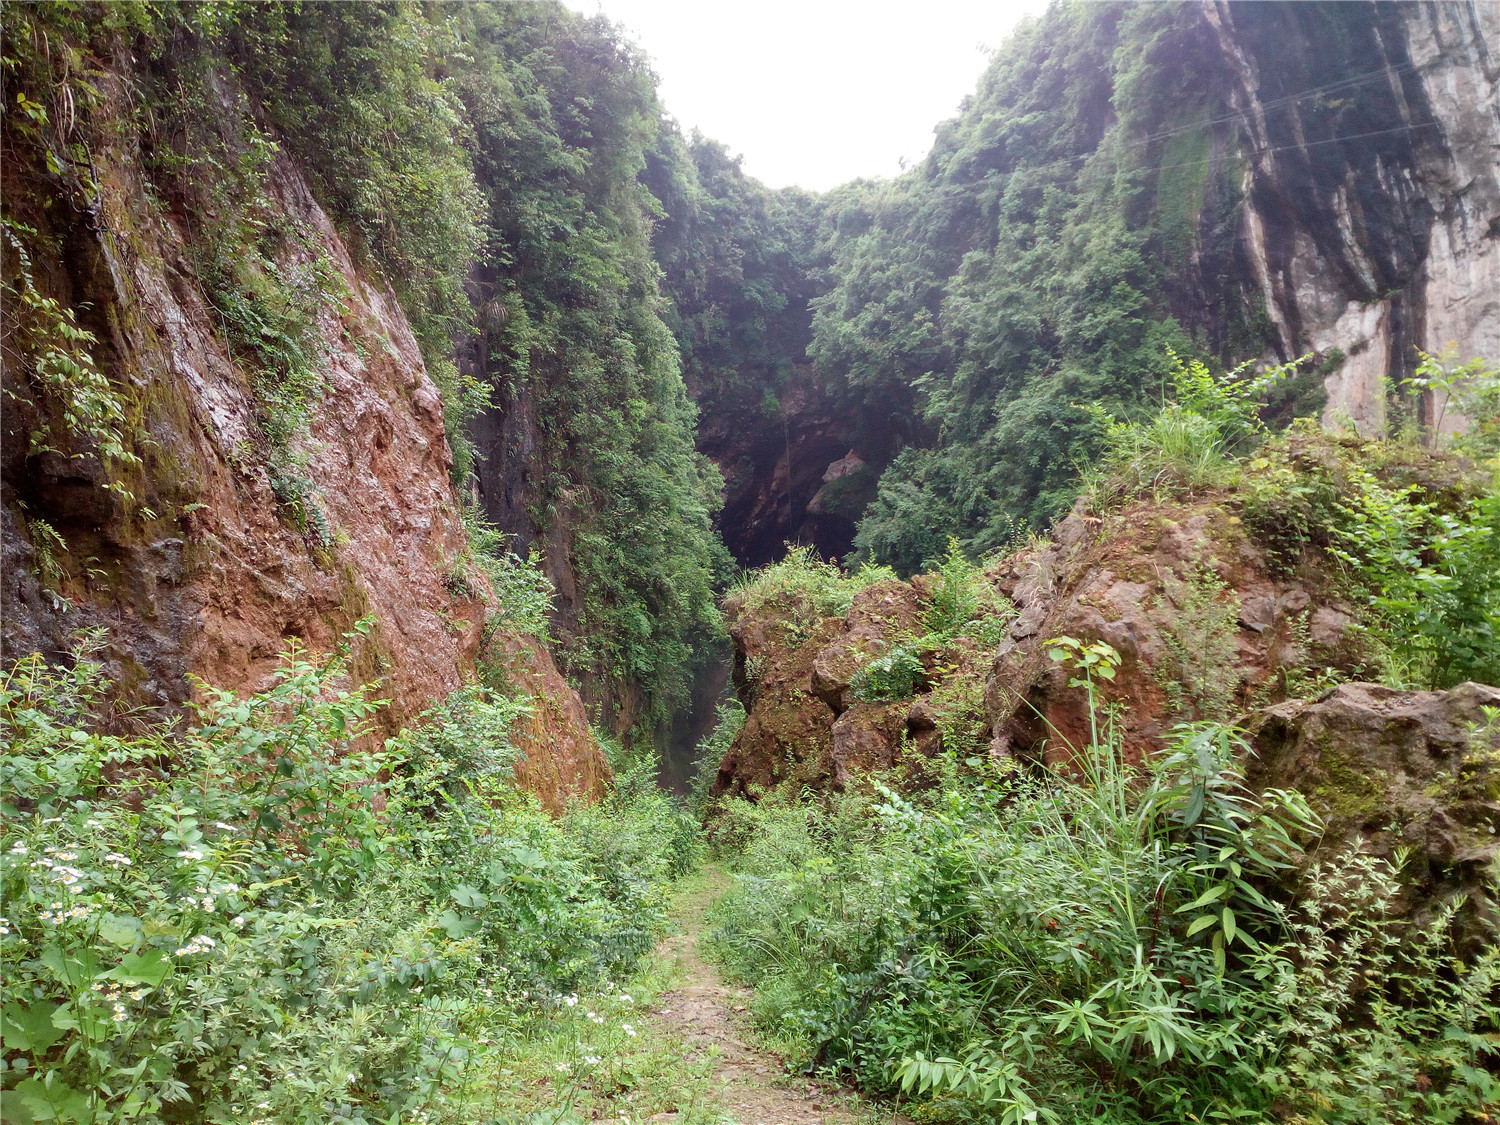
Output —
(1235, 181)
(241, 182)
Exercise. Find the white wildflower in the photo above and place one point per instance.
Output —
(190, 854)
(18, 848)
(630, 1031)
(571, 1001)
(118, 860)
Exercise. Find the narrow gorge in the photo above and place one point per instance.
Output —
(444, 503)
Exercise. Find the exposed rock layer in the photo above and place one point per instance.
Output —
(205, 574)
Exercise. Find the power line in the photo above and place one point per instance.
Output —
(1287, 99)
(1287, 148)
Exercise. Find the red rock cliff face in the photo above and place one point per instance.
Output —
(204, 575)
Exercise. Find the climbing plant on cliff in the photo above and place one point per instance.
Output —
(562, 114)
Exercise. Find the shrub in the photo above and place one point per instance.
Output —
(261, 913)
(1472, 392)
(1098, 945)
(1429, 579)
(802, 580)
(523, 592)
(710, 751)
(1191, 442)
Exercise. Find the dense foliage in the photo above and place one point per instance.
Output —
(563, 114)
(1102, 945)
(235, 919)
(1024, 268)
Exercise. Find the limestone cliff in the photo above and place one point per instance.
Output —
(1371, 220)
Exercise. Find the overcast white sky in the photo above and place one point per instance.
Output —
(816, 92)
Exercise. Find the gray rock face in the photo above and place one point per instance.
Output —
(1411, 772)
(1372, 232)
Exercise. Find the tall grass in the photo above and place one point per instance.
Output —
(1103, 944)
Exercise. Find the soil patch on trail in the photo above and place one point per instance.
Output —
(710, 1017)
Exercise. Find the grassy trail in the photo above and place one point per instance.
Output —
(750, 1084)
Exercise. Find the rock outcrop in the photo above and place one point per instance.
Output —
(204, 573)
(1202, 625)
(1413, 776)
(562, 760)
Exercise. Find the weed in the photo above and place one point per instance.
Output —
(1200, 676)
(259, 914)
(801, 580)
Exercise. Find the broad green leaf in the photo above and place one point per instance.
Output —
(457, 926)
(1202, 922)
(465, 895)
(150, 967)
(122, 930)
(29, 1029)
(52, 1100)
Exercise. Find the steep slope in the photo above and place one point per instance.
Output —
(263, 459)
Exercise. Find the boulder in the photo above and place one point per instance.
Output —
(867, 737)
(880, 616)
(1409, 772)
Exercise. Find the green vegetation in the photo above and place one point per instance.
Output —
(44, 340)
(263, 914)
(1023, 269)
(1103, 945)
(561, 116)
(804, 583)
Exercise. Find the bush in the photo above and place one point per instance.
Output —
(803, 581)
(1191, 442)
(1100, 944)
(261, 913)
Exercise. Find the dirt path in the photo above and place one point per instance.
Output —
(755, 1088)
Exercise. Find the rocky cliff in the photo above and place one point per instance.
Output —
(192, 552)
(1371, 219)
